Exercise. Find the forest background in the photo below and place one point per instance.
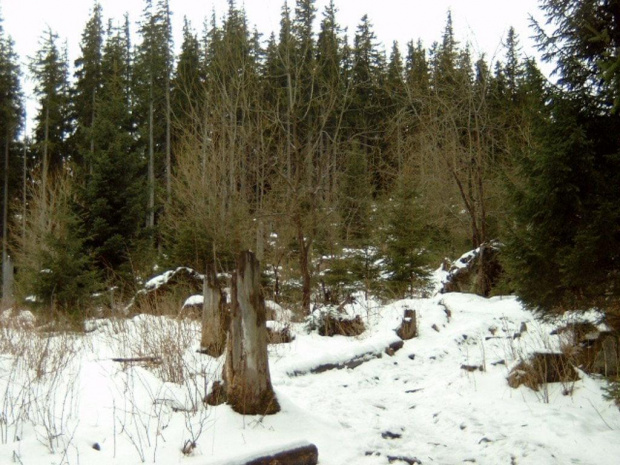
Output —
(344, 166)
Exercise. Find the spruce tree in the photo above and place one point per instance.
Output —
(152, 77)
(87, 85)
(113, 196)
(564, 247)
(52, 122)
(11, 116)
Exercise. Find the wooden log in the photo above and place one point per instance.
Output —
(137, 359)
(214, 324)
(246, 371)
(301, 455)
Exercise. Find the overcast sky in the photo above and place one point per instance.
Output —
(481, 23)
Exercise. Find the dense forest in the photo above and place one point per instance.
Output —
(343, 165)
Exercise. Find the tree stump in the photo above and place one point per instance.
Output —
(214, 324)
(408, 328)
(246, 371)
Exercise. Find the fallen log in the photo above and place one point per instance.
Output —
(352, 362)
(299, 453)
(137, 359)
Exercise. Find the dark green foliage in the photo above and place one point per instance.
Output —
(87, 86)
(114, 192)
(66, 278)
(356, 197)
(564, 249)
(406, 240)
(565, 243)
(53, 121)
(583, 42)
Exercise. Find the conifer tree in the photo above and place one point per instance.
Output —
(52, 122)
(564, 247)
(11, 115)
(367, 95)
(152, 76)
(87, 85)
(188, 82)
(113, 196)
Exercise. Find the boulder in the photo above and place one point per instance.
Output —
(541, 368)
(476, 271)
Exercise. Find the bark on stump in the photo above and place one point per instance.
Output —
(246, 371)
(214, 324)
(408, 328)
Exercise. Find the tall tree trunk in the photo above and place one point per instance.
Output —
(151, 169)
(92, 138)
(168, 143)
(5, 199)
(45, 167)
(7, 267)
(304, 266)
(24, 191)
(246, 373)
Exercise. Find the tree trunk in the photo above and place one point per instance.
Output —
(24, 190)
(7, 265)
(304, 265)
(213, 341)
(151, 174)
(45, 167)
(246, 372)
(168, 143)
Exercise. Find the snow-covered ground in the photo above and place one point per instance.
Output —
(64, 399)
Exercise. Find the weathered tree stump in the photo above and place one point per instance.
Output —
(214, 317)
(408, 328)
(246, 371)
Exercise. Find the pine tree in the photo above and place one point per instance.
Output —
(152, 76)
(11, 115)
(564, 248)
(188, 86)
(52, 122)
(367, 96)
(87, 85)
(114, 191)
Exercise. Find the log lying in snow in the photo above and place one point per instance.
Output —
(298, 453)
(373, 350)
(137, 359)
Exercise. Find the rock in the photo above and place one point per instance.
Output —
(543, 368)
(173, 286)
(472, 368)
(217, 394)
(342, 326)
(600, 355)
(402, 458)
(22, 319)
(477, 271)
(278, 334)
(394, 347)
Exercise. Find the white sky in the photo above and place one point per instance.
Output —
(482, 23)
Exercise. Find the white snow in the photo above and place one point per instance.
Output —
(62, 393)
(194, 301)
